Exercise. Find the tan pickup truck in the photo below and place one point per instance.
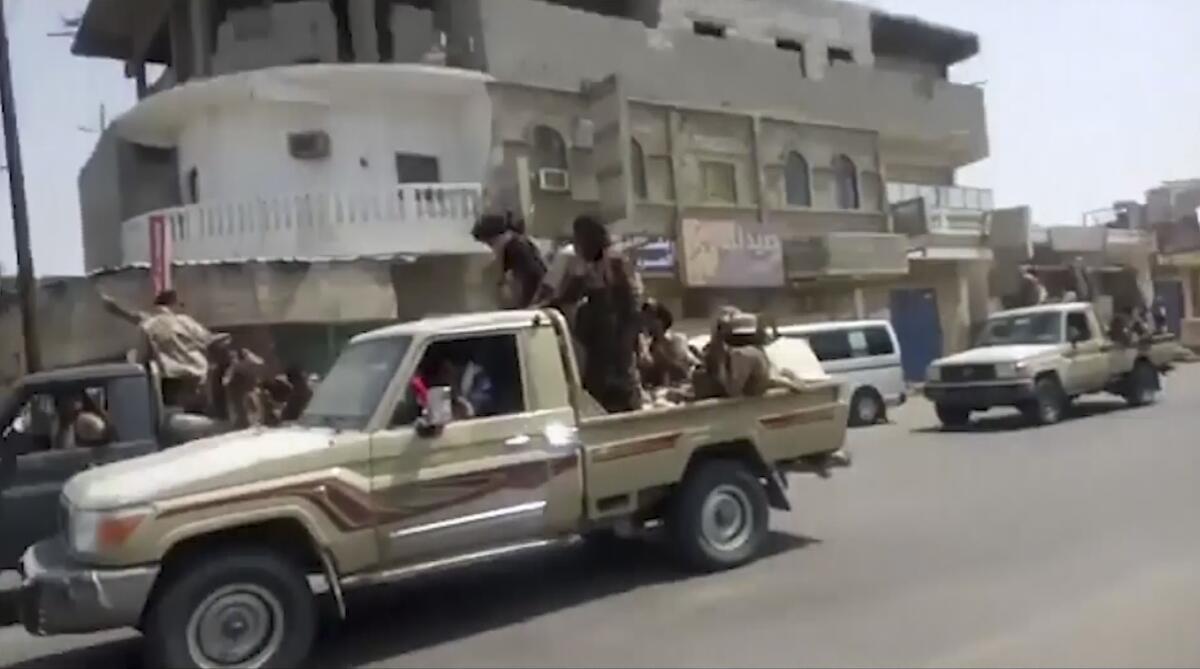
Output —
(1040, 359)
(209, 548)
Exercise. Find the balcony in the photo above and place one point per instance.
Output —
(411, 220)
(949, 209)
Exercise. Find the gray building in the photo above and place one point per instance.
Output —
(763, 144)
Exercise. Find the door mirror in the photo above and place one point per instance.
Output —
(1076, 335)
(439, 412)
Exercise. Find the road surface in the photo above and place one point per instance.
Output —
(1073, 545)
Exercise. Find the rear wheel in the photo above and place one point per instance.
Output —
(1049, 402)
(1142, 385)
(866, 408)
(719, 516)
(241, 608)
(953, 416)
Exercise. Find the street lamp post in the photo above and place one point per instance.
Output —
(26, 287)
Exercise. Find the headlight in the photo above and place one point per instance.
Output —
(934, 374)
(95, 532)
(1010, 370)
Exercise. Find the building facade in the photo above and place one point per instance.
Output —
(791, 157)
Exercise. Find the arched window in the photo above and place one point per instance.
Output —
(845, 177)
(637, 170)
(549, 148)
(795, 175)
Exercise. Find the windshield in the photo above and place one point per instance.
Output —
(1028, 329)
(351, 392)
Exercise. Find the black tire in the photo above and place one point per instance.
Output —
(1142, 385)
(867, 408)
(261, 587)
(1049, 403)
(953, 417)
(718, 498)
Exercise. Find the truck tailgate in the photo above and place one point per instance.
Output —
(628, 453)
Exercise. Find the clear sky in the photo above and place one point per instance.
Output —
(1088, 101)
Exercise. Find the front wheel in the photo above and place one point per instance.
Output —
(953, 416)
(1142, 385)
(1048, 404)
(719, 517)
(243, 608)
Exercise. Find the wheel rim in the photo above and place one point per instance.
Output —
(868, 410)
(727, 518)
(239, 625)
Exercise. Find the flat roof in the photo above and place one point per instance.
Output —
(900, 35)
(458, 323)
(109, 28)
(90, 372)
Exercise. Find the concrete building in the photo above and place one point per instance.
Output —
(794, 157)
(1170, 214)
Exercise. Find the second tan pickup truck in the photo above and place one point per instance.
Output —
(208, 548)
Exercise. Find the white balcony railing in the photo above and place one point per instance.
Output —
(950, 208)
(412, 219)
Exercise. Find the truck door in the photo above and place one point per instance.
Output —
(1088, 368)
(36, 462)
(132, 408)
(484, 481)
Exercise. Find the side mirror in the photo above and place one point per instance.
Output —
(1075, 335)
(439, 412)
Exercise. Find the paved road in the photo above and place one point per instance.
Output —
(1065, 546)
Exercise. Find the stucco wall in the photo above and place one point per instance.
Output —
(943, 120)
(286, 33)
(100, 205)
(816, 24)
(241, 152)
(702, 135)
(119, 181)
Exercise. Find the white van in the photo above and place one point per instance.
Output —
(863, 354)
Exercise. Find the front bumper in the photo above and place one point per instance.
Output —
(980, 396)
(62, 596)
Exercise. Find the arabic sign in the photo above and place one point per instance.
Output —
(729, 254)
(160, 254)
(654, 256)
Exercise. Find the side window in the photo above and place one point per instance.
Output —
(831, 346)
(1078, 326)
(879, 342)
(31, 429)
(65, 419)
(483, 374)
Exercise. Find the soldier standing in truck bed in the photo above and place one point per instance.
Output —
(604, 286)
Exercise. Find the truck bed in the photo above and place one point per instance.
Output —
(627, 454)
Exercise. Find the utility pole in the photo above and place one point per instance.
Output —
(26, 287)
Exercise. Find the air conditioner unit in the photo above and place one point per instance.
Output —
(554, 180)
(313, 145)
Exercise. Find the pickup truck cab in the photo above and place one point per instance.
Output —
(428, 445)
(37, 455)
(1041, 358)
